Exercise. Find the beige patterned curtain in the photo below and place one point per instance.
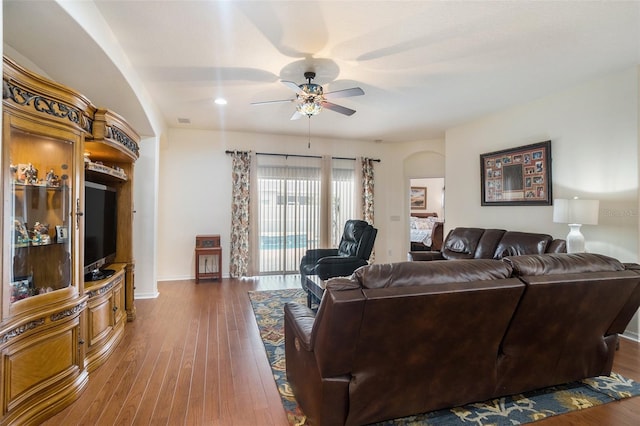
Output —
(367, 189)
(240, 203)
(367, 195)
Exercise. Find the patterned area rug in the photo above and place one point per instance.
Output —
(513, 410)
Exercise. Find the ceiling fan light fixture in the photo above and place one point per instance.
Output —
(311, 100)
(309, 107)
(312, 89)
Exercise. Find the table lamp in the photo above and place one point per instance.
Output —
(575, 213)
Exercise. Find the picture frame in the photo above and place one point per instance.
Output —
(21, 288)
(62, 234)
(418, 198)
(518, 176)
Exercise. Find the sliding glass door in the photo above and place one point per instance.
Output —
(299, 200)
(289, 210)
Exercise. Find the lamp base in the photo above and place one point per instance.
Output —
(575, 239)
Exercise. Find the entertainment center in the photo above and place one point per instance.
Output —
(67, 252)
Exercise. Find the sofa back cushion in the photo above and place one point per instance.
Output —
(560, 332)
(520, 243)
(480, 243)
(461, 243)
(416, 336)
(488, 243)
(404, 274)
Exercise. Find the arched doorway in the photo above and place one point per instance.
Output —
(425, 189)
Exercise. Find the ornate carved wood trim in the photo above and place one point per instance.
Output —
(17, 331)
(121, 137)
(45, 105)
(103, 290)
(68, 312)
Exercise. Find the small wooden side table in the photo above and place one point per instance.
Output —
(315, 289)
(208, 257)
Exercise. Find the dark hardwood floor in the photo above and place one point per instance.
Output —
(194, 356)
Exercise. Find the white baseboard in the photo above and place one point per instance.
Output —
(152, 295)
(631, 336)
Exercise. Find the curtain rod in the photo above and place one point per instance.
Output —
(377, 160)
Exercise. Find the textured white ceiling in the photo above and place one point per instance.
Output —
(424, 65)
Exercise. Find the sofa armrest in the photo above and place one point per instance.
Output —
(425, 255)
(437, 237)
(301, 319)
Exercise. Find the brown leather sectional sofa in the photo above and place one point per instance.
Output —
(480, 243)
(399, 339)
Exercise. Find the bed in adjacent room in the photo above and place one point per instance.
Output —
(425, 231)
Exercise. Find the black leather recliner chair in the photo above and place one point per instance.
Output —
(353, 252)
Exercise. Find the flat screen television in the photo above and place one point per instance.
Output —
(100, 230)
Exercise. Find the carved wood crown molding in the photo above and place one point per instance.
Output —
(122, 138)
(45, 105)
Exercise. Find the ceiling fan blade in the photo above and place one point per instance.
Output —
(296, 116)
(354, 91)
(293, 86)
(338, 108)
(272, 102)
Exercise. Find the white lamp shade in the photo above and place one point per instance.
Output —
(584, 212)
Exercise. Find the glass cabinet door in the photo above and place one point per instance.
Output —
(38, 206)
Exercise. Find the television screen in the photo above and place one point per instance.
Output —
(100, 222)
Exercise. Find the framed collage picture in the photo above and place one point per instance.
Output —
(517, 177)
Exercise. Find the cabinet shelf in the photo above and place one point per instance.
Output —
(19, 186)
(104, 173)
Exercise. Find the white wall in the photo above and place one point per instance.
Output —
(194, 194)
(594, 132)
(145, 235)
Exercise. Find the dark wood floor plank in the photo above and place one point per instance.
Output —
(195, 400)
(151, 334)
(194, 356)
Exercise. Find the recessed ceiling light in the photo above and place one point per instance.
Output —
(220, 101)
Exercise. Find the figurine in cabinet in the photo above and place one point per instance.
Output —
(52, 179)
(40, 234)
(20, 232)
(21, 289)
(31, 175)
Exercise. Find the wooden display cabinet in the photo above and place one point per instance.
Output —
(54, 327)
(114, 144)
(106, 316)
(43, 301)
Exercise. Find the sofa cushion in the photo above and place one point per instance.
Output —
(488, 243)
(520, 243)
(461, 243)
(436, 272)
(562, 263)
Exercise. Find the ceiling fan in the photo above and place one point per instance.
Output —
(310, 98)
